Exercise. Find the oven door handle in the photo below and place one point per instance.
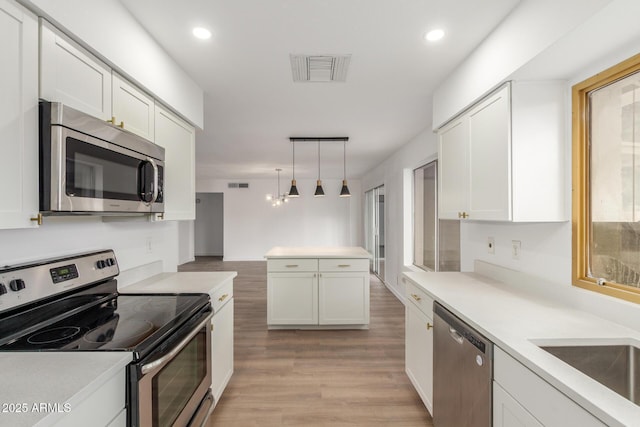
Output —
(151, 366)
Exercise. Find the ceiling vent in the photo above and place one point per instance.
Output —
(319, 68)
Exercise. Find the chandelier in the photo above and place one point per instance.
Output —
(279, 198)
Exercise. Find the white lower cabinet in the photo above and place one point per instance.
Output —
(104, 407)
(221, 339)
(317, 292)
(507, 412)
(292, 298)
(419, 343)
(522, 398)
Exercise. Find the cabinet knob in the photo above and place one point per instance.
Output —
(429, 326)
(121, 125)
(416, 297)
(223, 297)
(112, 120)
(463, 215)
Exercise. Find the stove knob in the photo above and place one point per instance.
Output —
(110, 261)
(3, 289)
(100, 264)
(16, 285)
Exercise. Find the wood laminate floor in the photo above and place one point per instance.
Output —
(314, 378)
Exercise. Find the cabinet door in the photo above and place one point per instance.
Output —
(221, 349)
(132, 108)
(178, 139)
(452, 169)
(507, 412)
(343, 298)
(292, 298)
(71, 75)
(419, 353)
(19, 112)
(490, 158)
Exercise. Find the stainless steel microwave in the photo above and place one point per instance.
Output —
(88, 166)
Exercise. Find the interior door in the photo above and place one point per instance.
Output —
(375, 230)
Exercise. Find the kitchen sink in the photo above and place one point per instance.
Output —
(615, 366)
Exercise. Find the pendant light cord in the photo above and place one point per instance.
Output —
(318, 160)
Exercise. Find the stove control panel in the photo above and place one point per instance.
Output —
(27, 283)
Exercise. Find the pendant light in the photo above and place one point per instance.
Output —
(344, 192)
(319, 191)
(293, 191)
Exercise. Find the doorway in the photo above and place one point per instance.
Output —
(375, 230)
(209, 225)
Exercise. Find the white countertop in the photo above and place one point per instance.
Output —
(317, 252)
(197, 281)
(32, 378)
(517, 321)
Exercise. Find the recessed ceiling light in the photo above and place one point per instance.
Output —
(434, 35)
(201, 33)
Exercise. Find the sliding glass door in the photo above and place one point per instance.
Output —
(374, 229)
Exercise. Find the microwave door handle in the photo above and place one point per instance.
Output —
(154, 184)
(151, 366)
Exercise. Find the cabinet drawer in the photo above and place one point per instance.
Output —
(221, 296)
(292, 264)
(344, 264)
(419, 298)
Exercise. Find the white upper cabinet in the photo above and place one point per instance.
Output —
(71, 75)
(19, 116)
(132, 109)
(502, 160)
(178, 139)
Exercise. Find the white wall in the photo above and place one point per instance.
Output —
(396, 173)
(136, 241)
(252, 226)
(107, 29)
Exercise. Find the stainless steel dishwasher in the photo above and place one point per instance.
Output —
(462, 373)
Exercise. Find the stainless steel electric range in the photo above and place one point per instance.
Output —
(72, 304)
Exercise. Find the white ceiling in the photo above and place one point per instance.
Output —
(252, 105)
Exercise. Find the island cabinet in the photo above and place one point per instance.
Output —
(419, 341)
(502, 159)
(320, 290)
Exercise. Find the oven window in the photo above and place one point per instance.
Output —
(96, 172)
(174, 385)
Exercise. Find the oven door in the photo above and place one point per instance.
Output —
(92, 175)
(172, 384)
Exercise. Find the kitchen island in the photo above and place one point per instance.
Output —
(317, 288)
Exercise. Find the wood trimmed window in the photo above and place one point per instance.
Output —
(606, 182)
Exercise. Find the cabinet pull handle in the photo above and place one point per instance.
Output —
(416, 297)
(463, 215)
(291, 265)
(121, 125)
(37, 218)
(344, 265)
(429, 326)
(112, 120)
(223, 297)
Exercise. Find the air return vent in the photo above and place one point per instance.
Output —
(238, 185)
(319, 68)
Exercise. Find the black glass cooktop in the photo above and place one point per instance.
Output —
(124, 322)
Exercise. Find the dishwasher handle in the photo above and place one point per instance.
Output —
(456, 335)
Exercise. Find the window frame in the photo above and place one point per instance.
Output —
(580, 177)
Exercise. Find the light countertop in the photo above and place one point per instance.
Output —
(317, 252)
(63, 378)
(518, 321)
(197, 281)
